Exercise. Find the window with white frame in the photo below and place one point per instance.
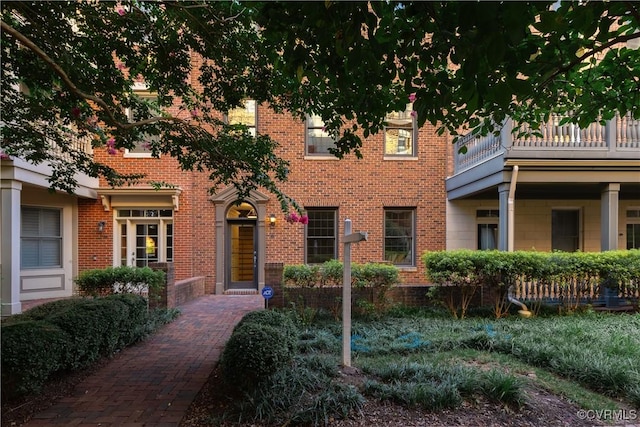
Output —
(317, 141)
(143, 146)
(487, 220)
(633, 229)
(399, 236)
(565, 230)
(321, 235)
(246, 115)
(40, 238)
(400, 133)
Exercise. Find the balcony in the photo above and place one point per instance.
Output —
(617, 139)
(17, 169)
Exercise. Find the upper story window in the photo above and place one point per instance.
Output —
(317, 141)
(41, 238)
(399, 236)
(400, 133)
(321, 235)
(143, 146)
(245, 115)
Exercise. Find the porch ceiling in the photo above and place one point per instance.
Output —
(562, 191)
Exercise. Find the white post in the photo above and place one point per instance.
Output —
(346, 298)
(348, 239)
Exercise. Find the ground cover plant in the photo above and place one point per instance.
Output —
(433, 366)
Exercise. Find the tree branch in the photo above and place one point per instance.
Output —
(578, 60)
(633, 10)
(72, 86)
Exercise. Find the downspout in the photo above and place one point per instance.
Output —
(524, 312)
(510, 209)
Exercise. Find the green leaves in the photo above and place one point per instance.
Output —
(349, 62)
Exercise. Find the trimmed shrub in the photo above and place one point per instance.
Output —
(107, 281)
(67, 335)
(32, 350)
(254, 352)
(135, 327)
(372, 280)
(44, 311)
(95, 326)
(272, 318)
(573, 278)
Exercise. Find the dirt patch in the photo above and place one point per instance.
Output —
(540, 409)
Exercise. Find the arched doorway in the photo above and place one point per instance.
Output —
(238, 218)
(241, 246)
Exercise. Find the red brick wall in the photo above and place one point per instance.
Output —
(360, 189)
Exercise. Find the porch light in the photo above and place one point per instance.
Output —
(101, 225)
(272, 220)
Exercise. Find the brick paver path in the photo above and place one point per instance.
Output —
(154, 382)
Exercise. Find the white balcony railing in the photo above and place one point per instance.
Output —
(620, 136)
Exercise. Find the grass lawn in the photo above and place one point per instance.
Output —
(430, 362)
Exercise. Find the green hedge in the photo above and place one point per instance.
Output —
(32, 350)
(373, 280)
(66, 335)
(329, 274)
(261, 343)
(107, 281)
(618, 270)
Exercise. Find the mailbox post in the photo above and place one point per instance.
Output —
(347, 240)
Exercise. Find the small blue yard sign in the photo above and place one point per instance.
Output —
(267, 292)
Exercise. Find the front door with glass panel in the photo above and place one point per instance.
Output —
(241, 268)
(145, 236)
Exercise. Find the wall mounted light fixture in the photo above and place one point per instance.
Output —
(101, 225)
(272, 220)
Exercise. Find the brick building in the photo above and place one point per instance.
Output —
(215, 238)
(396, 193)
(571, 189)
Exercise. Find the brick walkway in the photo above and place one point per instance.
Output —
(154, 382)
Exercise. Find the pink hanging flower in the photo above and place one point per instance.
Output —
(414, 113)
(294, 217)
(194, 112)
(111, 146)
(412, 97)
(120, 10)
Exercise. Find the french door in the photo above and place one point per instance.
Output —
(144, 241)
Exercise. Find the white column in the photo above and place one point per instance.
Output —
(609, 217)
(10, 247)
(503, 219)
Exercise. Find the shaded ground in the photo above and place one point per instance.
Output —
(541, 409)
(19, 412)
